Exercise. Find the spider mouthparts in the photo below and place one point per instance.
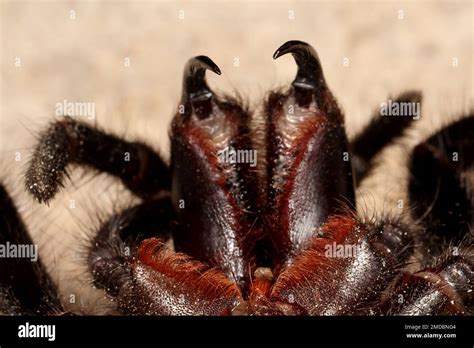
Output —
(310, 72)
(195, 87)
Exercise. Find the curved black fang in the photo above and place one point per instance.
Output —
(310, 73)
(195, 87)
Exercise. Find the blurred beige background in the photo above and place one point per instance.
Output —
(76, 50)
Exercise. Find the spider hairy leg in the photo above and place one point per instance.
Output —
(25, 286)
(118, 239)
(380, 132)
(309, 170)
(168, 283)
(213, 192)
(440, 187)
(70, 141)
(442, 289)
(144, 278)
(345, 269)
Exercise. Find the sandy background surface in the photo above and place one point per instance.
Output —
(76, 50)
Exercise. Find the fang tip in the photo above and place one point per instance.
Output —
(195, 87)
(310, 73)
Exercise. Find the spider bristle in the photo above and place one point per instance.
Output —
(185, 270)
(168, 283)
(318, 278)
(116, 242)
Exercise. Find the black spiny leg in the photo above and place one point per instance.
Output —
(25, 286)
(439, 188)
(69, 141)
(380, 132)
(149, 279)
(118, 238)
(445, 288)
